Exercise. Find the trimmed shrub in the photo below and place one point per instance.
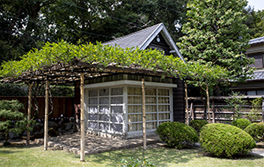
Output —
(225, 141)
(241, 123)
(198, 124)
(256, 130)
(131, 162)
(176, 134)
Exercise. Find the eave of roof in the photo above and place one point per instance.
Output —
(256, 40)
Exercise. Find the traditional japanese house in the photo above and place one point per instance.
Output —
(255, 85)
(113, 104)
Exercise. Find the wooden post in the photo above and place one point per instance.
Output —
(46, 115)
(263, 111)
(208, 104)
(192, 110)
(213, 106)
(82, 118)
(29, 110)
(144, 114)
(186, 104)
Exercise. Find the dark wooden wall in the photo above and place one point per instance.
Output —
(178, 101)
(61, 105)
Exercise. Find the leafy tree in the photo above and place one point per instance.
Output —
(215, 34)
(11, 119)
(236, 104)
(205, 77)
(255, 22)
(27, 24)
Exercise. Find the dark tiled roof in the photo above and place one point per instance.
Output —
(258, 75)
(256, 40)
(143, 38)
(135, 39)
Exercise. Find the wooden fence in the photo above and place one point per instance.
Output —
(220, 112)
(61, 105)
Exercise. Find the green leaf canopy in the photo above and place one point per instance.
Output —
(63, 52)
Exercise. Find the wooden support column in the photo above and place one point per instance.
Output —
(29, 110)
(144, 114)
(186, 103)
(82, 117)
(46, 115)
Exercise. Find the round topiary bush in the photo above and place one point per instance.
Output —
(256, 130)
(198, 124)
(241, 123)
(224, 140)
(176, 134)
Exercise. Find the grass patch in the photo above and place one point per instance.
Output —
(160, 156)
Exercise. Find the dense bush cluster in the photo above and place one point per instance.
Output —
(241, 123)
(256, 130)
(198, 124)
(176, 134)
(224, 140)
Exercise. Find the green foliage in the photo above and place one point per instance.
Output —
(11, 89)
(19, 89)
(11, 119)
(215, 34)
(255, 22)
(235, 103)
(198, 124)
(255, 112)
(135, 162)
(64, 52)
(223, 140)
(256, 130)
(27, 24)
(176, 134)
(241, 123)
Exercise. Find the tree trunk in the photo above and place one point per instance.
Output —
(208, 103)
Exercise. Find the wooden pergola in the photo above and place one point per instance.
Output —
(77, 70)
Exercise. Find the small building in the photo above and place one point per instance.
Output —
(254, 86)
(113, 104)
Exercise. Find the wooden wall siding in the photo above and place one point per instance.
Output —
(255, 48)
(178, 101)
(223, 114)
(61, 105)
(160, 45)
(77, 93)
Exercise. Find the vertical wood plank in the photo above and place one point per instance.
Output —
(29, 110)
(144, 114)
(213, 106)
(82, 117)
(46, 115)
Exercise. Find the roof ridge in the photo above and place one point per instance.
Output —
(153, 32)
(125, 36)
